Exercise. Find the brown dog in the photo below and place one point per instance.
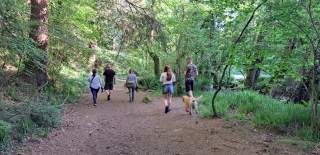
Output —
(191, 104)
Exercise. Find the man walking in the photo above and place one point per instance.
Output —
(109, 74)
(191, 73)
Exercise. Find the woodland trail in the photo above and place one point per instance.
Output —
(118, 127)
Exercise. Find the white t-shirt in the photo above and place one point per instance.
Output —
(96, 82)
(163, 78)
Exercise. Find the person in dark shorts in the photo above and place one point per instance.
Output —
(191, 73)
(109, 75)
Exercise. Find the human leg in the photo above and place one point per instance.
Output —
(189, 87)
(132, 95)
(94, 95)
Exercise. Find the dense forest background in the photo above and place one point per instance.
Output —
(260, 57)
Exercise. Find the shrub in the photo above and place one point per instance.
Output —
(24, 126)
(46, 115)
(146, 100)
(4, 131)
(263, 111)
(5, 134)
(150, 82)
(12, 92)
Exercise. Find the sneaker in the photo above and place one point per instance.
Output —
(94, 104)
(166, 110)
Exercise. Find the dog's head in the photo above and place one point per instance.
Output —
(195, 101)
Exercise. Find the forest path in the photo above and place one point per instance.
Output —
(118, 127)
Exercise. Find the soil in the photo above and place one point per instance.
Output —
(119, 127)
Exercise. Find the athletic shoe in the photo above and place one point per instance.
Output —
(166, 110)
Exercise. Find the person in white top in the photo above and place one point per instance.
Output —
(95, 85)
(167, 79)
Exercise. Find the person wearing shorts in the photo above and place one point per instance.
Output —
(191, 73)
(109, 75)
(167, 79)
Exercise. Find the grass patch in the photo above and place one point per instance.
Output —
(5, 134)
(12, 92)
(147, 100)
(301, 144)
(263, 112)
(25, 112)
(19, 121)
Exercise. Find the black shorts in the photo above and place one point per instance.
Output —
(189, 85)
(108, 86)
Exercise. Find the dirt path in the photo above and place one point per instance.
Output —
(118, 127)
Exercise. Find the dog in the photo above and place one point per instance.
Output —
(191, 105)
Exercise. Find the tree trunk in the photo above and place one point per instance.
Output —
(253, 72)
(179, 68)
(179, 77)
(314, 100)
(156, 63)
(39, 33)
(252, 76)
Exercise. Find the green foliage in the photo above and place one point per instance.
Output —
(149, 82)
(12, 92)
(307, 133)
(46, 116)
(5, 134)
(43, 132)
(4, 131)
(34, 116)
(146, 100)
(262, 111)
(24, 126)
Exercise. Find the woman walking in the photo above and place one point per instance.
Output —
(95, 85)
(167, 79)
(131, 84)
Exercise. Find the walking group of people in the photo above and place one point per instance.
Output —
(95, 83)
(167, 79)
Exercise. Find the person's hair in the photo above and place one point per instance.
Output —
(108, 66)
(94, 71)
(167, 69)
(130, 71)
(189, 59)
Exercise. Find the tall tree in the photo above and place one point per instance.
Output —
(39, 33)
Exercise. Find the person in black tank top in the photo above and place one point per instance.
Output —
(109, 75)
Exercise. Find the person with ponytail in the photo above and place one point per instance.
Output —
(167, 79)
(95, 85)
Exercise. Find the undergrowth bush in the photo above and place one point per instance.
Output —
(5, 134)
(262, 111)
(149, 82)
(23, 127)
(27, 118)
(46, 115)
